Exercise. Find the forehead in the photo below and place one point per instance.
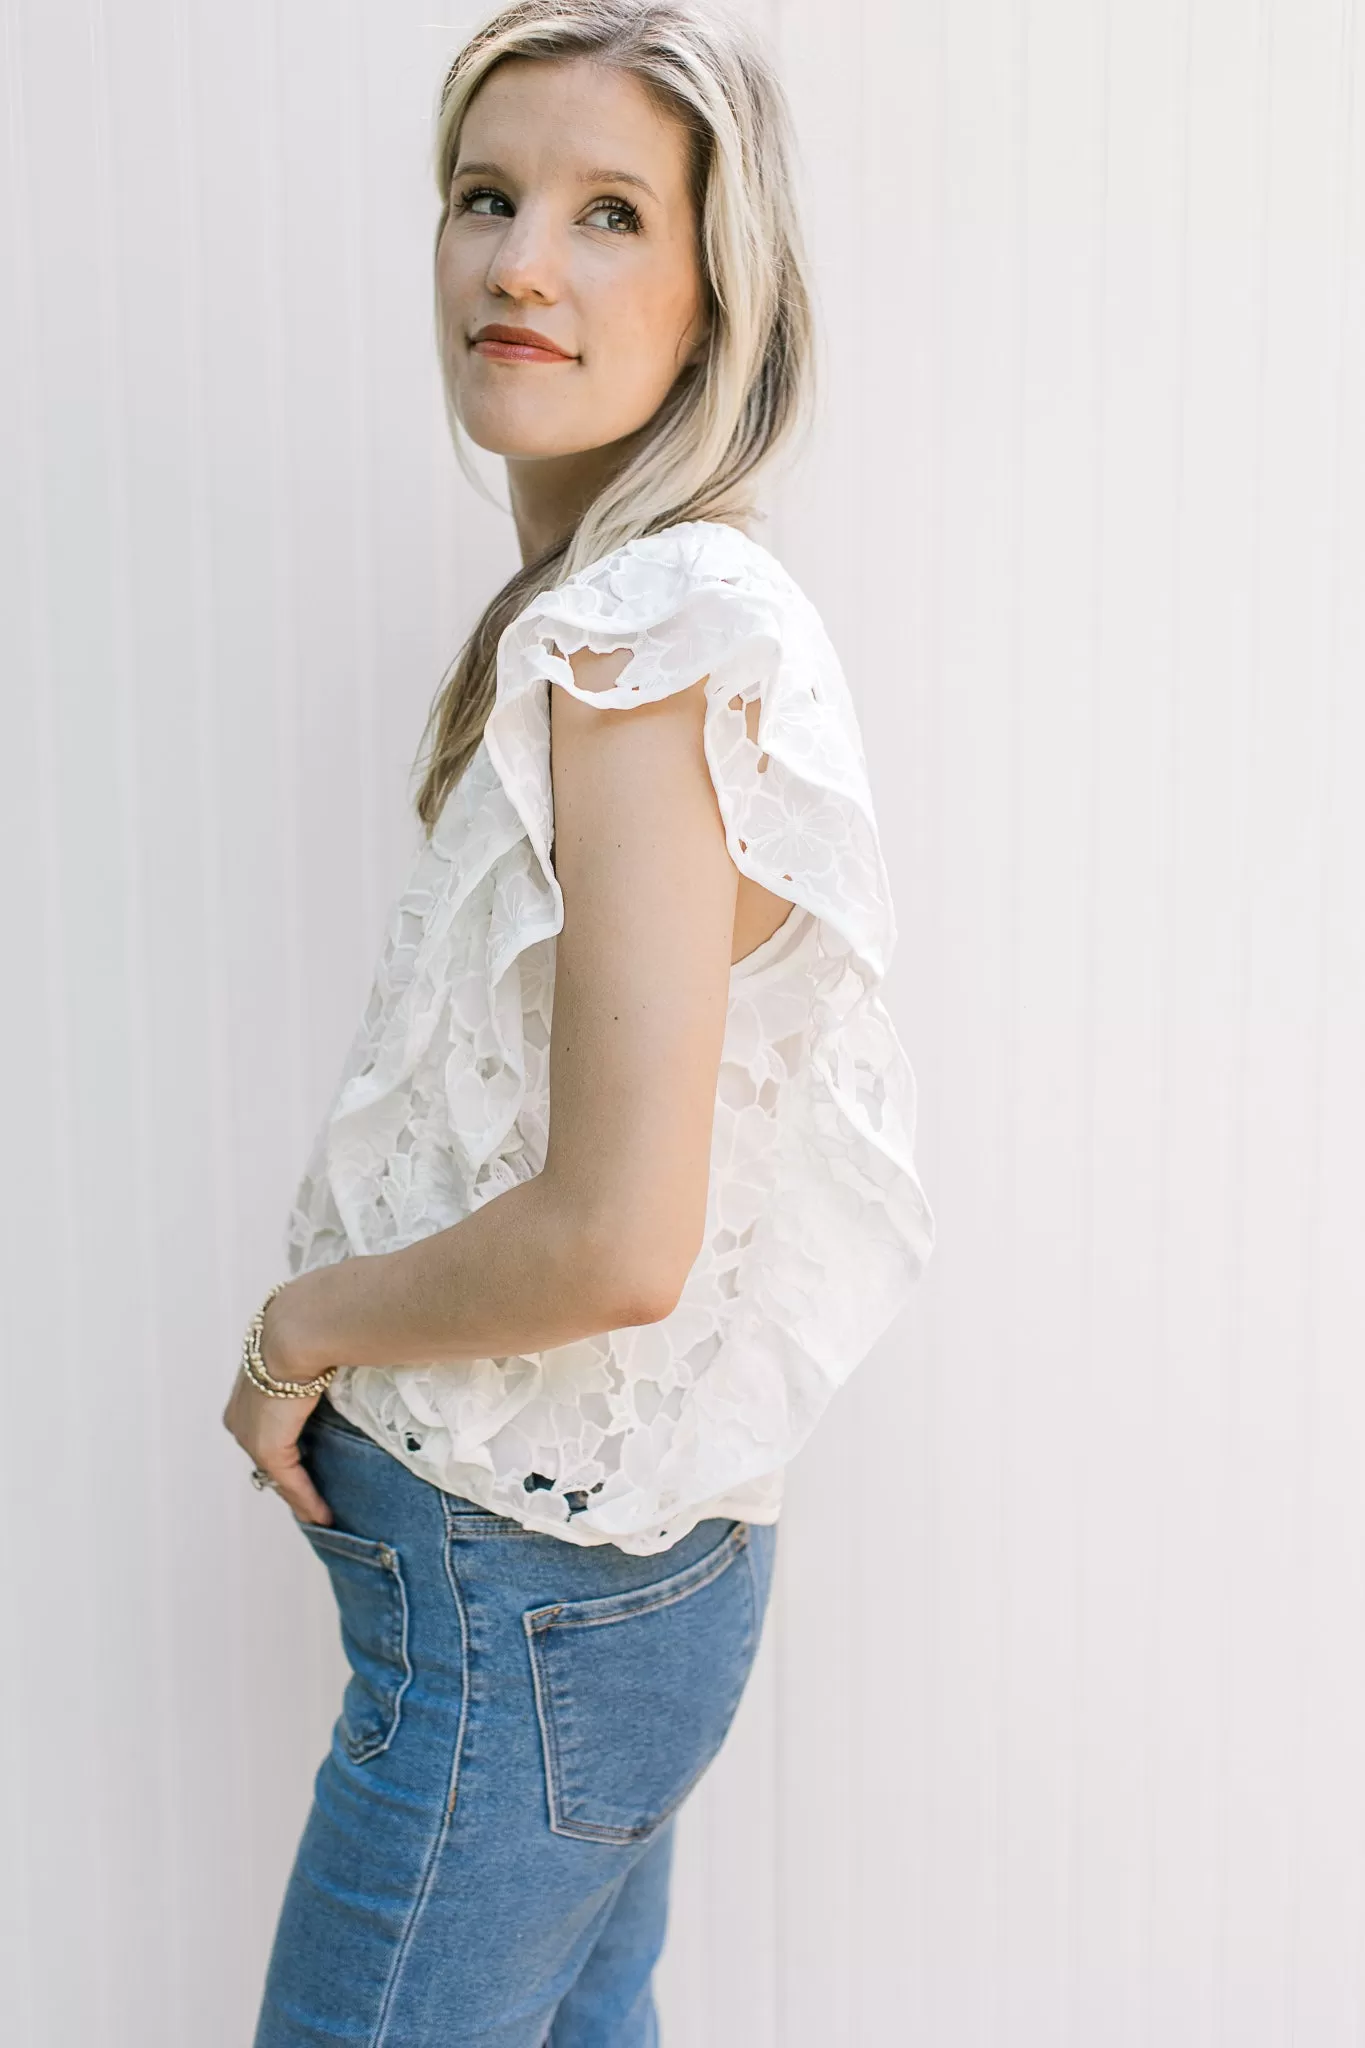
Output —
(569, 119)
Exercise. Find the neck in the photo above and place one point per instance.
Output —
(550, 493)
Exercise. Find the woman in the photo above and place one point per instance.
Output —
(652, 895)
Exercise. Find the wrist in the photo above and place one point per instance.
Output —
(293, 1343)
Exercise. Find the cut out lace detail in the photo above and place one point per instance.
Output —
(816, 1221)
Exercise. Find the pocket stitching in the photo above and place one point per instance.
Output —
(380, 1556)
(539, 1621)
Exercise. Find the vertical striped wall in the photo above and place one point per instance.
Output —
(1055, 1737)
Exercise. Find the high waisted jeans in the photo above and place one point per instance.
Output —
(486, 1860)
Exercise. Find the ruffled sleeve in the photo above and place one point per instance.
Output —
(848, 1227)
(782, 742)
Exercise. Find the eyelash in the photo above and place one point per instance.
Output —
(466, 199)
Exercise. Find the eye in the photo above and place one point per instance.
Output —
(486, 201)
(618, 216)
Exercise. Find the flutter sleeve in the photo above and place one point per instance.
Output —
(781, 738)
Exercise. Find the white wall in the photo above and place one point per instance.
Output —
(1055, 1737)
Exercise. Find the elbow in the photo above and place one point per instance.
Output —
(627, 1282)
(642, 1300)
(630, 1292)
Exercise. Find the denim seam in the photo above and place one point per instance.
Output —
(755, 1616)
(462, 1527)
(453, 1580)
(404, 1943)
(548, 1738)
(625, 1606)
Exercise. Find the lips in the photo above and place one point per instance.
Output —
(517, 345)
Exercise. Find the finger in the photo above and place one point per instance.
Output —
(293, 1484)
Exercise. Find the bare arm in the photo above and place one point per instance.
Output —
(606, 1234)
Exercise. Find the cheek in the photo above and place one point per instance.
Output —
(449, 282)
(643, 330)
(459, 278)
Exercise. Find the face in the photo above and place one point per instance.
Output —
(567, 276)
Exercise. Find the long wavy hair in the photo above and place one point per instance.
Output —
(729, 413)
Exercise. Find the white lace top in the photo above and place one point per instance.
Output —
(816, 1221)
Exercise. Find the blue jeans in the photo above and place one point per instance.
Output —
(486, 1860)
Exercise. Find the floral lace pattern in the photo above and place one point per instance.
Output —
(816, 1224)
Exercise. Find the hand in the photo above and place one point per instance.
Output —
(267, 1429)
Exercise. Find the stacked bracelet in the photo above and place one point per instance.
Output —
(253, 1365)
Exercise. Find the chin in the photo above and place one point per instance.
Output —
(507, 432)
(518, 442)
(522, 425)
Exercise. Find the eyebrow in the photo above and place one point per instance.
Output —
(620, 178)
(595, 177)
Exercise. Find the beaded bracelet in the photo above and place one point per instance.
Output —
(253, 1365)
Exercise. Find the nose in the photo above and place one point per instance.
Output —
(526, 263)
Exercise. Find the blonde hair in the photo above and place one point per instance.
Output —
(726, 416)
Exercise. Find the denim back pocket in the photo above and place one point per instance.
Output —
(372, 1602)
(635, 1692)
